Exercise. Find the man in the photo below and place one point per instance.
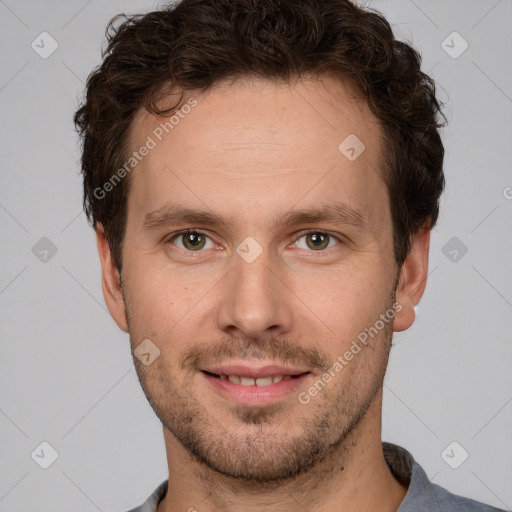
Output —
(263, 177)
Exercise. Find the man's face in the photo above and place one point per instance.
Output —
(259, 291)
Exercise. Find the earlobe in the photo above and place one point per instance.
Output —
(111, 281)
(413, 279)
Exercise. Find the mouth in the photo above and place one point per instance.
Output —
(250, 381)
(255, 386)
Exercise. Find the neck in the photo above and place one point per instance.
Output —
(354, 476)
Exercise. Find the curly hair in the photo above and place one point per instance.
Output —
(194, 44)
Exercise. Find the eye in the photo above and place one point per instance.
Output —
(317, 240)
(193, 241)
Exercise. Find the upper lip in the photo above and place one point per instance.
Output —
(254, 373)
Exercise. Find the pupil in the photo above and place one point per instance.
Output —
(193, 240)
(318, 240)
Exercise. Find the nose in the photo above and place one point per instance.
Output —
(255, 301)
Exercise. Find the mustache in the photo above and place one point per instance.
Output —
(271, 349)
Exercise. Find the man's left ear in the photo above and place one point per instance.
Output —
(413, 279)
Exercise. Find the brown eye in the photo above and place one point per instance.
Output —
(190, 240)
(317, 240)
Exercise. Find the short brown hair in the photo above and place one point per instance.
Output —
(194, 44)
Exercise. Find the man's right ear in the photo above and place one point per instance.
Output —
(111, 281)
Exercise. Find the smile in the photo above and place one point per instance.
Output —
(249, 381)
(254, 391)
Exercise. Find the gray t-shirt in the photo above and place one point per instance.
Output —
(422, 495)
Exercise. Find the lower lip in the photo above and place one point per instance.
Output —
(256, 395)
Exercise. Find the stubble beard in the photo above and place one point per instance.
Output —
(254, 446)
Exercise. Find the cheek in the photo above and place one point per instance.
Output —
(164, 301)
(154, 304)
(348, 297)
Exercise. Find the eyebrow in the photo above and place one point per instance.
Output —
(336, 213)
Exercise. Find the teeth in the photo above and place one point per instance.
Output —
(260, 381)
(264, 381)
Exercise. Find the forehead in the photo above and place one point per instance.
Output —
(258, 144)
(319, 107)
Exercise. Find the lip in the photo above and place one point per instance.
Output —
(254, 373)
(256, 395)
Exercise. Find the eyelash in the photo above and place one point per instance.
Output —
(302, 234)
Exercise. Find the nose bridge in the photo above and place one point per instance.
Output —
(255, 300)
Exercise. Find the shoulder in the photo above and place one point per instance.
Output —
(423, 495)
(151, 504)
(448, 501)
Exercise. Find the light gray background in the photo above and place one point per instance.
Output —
(66, 372)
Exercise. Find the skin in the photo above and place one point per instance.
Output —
(252, 150)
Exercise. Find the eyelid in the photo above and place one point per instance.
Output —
(321, 231)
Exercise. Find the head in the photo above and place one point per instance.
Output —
(304, 138)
